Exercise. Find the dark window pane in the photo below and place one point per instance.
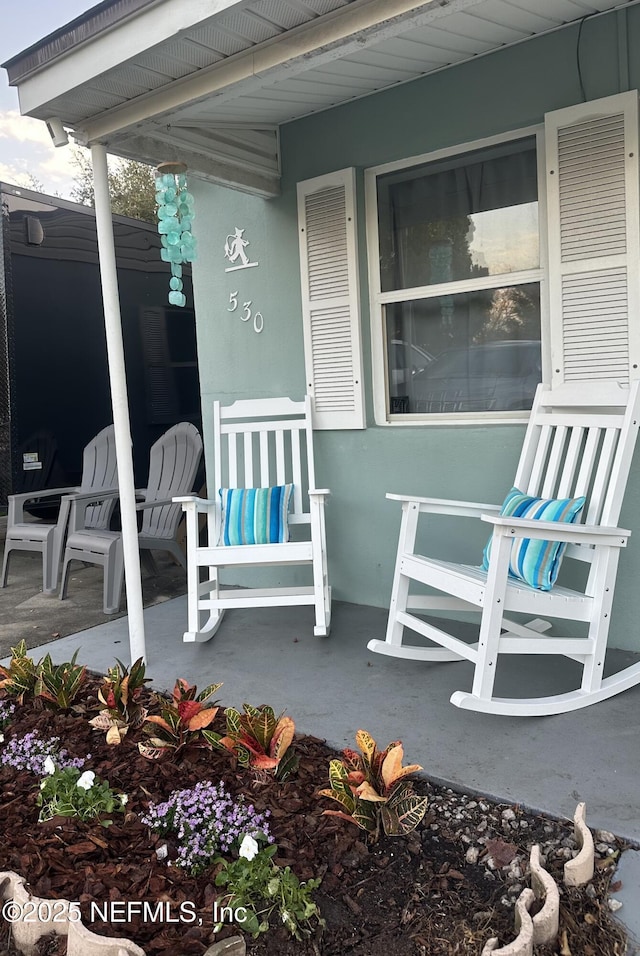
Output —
(464, 217)
(477, 351)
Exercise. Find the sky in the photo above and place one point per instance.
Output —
(25, 145)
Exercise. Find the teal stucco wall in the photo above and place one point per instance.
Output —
(490, 95)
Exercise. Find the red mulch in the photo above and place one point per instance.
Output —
(402, 897)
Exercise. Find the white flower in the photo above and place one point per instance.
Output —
(49, 765)
(1, 738)
(248, 847)
(86, 780)
(124, 799)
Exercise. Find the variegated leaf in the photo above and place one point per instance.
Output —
(115, 734)
(152, 753)
(101, 721)
(346, 801)
(263, 762)
(233, 721)
(202, 719)
(404, 816)
(366, 792)
(208, 692)
(282, 737)
(366, 816)
(366, 743)
(161, 722)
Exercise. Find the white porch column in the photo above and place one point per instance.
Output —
(119, 400)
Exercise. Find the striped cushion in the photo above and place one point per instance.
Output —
(255, 515)
(533, 561)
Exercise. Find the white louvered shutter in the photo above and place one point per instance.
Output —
(330, 299)
(594, 240)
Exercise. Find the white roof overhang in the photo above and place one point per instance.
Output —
(210, 83)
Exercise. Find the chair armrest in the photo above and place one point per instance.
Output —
(43, 493)
(93, 497)
(16, 503)
(558, 531)
(321, 492)
(200, 504)
(76, 506)
(445, 506)
(157, 503)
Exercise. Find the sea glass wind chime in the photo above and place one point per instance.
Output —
(175, 215)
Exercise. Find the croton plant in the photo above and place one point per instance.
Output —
(373, 790)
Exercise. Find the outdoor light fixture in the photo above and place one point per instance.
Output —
(57, 131)
(175, 215)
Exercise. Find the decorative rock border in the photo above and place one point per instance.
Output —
(543, 927)
(32, 918)
(546, 922)
(522, 945)
(580, 870)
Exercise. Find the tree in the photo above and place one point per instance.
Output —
(131, 186)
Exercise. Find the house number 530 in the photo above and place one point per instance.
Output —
(246, 314)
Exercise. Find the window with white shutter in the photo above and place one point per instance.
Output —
(330, 299)
(594, 239)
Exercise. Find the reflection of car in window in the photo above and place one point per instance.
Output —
(498, 376)
(405, 361)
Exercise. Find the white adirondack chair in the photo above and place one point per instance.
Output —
(173, 464)
(579, 441)
(258, 443)
(99, 473)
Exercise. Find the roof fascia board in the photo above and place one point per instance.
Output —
(125, 40)
(360, 24)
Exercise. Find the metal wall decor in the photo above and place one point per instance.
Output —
(175, 215)
(235, 246)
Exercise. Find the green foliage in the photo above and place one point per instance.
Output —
(372, 789)
(181, 721)
(258, 740)
(73, 793)
(263, 889)
(19, 678)
(120, 694)
(59, 686)
(131, 186)
(56, 686)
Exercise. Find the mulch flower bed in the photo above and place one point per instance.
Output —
(444, 889)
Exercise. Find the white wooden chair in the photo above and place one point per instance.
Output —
(173, 464)
(258, 444)
(99, 473)
(579, 441)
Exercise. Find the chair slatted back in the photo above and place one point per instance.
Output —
(100, 473)
(173, 464)
(265, 442)
(580, 441)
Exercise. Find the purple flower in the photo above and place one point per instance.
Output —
(206, 820)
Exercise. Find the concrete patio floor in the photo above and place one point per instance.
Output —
(332, 686)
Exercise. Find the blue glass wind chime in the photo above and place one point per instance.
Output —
(175, 215)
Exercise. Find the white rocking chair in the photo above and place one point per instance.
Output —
(579, 441)
(258, 444)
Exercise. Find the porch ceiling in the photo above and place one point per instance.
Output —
(211, 83)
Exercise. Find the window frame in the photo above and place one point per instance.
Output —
(378, 299)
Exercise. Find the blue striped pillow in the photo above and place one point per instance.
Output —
(534, 561)
(255, 515)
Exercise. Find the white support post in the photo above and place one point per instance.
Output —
(120, 403)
